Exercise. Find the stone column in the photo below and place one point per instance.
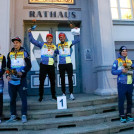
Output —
(4, 26)
(86, 49)
(4, 32)
(104, 47)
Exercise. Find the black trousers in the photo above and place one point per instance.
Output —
(69, 69)
(44, 70)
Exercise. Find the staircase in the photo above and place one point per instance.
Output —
(87, 114)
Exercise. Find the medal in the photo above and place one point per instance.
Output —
(49, 47)
(15, 55)
(62, 47)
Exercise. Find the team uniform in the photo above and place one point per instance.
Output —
(65, 63)
(46, 65)
(2, 70)
(20, 62)
(125, 87)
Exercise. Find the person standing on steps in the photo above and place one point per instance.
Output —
(123, 68)
(2, 71)
(18, 65)
(65, 64)
(46, 63)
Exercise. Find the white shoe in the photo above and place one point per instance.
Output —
(72, 97)
(12, 118)
(24, 118)
(63, 94)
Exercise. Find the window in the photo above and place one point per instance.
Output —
(114, 9)
(122, 9)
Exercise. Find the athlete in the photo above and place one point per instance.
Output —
(18, 64)
(122, 67)
(46, 63)
(65, 64)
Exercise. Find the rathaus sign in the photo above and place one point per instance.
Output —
(52, 1)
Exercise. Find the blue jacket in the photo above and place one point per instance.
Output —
(65, 53)
(23, 65)
(47, 54)
(117, 67)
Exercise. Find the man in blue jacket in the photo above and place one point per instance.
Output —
(2, 70)
(18, 64)
(122, 68)
(65, 63)
(46, 63)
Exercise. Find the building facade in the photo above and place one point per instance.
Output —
(92, 58)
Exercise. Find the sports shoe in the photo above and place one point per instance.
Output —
(40, 99)
(54, 98)
(129, 118)
(72, 97)
(12, 119)
(24, 118)
(63, 94)
(0, 121)
(123, 119)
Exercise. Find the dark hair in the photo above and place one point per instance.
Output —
(122, 48)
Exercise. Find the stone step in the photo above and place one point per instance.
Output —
(44, 124)
(71, 112)
(102, 128)
(87, 114)
(82, 100)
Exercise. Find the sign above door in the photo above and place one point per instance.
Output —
(51, 1)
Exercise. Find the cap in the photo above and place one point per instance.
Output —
(49, 35)
(16, 38)
(62, 34)
(122, 48)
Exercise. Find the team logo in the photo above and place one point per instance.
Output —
(114, 65)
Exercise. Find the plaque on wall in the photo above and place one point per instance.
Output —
(35, 81)
(51, 1)
(88, 54)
